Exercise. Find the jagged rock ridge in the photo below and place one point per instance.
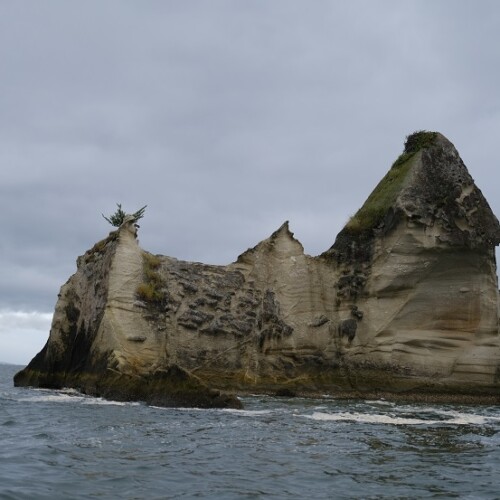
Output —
(406, 300)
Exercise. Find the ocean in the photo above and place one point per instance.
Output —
(64, 445)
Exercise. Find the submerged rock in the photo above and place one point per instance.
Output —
(405, 301)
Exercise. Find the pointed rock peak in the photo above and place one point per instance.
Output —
(282, 239)
(383, 198)
(281, 235)
(428, 185)
(283, 230)
(442, 194)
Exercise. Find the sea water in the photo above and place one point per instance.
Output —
(64, 445)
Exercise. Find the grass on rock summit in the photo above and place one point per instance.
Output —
(371, 214)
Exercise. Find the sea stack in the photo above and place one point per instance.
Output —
(404, 304)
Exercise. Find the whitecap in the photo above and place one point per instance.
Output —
(247, 413)
(71, 396)
(462, 418)
(372, 418)
(109, 402)
(451, 416)
(368, 418)
(69, 390)
(381, 402)
(51, 398)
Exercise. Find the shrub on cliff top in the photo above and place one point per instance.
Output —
(419, 140)
(413, 144)
(118, 217)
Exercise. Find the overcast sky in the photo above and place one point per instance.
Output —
(226, 118)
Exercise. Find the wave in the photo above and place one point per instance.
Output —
(374, 418)
(380, 402)
(71, 396)
(100, 401)
(247, 413)
(51, 398)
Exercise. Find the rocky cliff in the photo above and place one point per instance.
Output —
(405, 301)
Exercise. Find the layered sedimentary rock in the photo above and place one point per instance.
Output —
(405, 301)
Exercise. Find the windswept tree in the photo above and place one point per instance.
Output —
(118, 217)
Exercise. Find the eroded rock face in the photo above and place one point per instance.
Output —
(406, 300)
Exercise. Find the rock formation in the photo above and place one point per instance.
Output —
(405, 301)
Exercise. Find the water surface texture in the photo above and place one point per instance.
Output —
(60, 444)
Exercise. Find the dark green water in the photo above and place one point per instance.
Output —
(59, 444)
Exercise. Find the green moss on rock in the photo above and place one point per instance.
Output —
(383, 197)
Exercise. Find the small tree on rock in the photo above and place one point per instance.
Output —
(118, 217)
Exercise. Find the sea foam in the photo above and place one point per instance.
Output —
(373, 418)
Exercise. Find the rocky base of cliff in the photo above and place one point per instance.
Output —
(173, 387)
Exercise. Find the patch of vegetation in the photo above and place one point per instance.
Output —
(152, 290)
(414, 143)
(381, 199)
(419, 140)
